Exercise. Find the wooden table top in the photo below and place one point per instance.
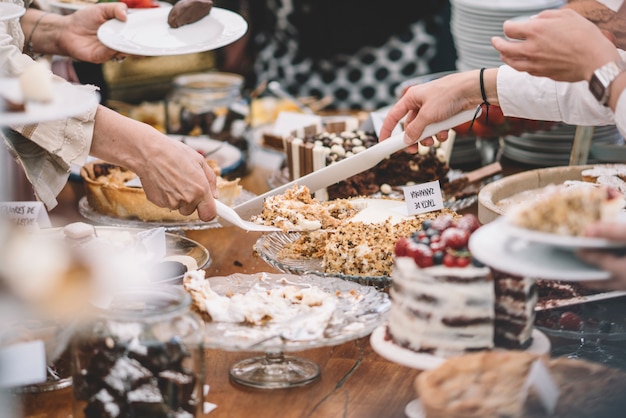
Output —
(355, 381)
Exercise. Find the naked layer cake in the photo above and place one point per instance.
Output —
(446, 303)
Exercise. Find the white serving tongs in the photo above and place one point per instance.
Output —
(229, 215)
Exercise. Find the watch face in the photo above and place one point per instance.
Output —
(597, 88)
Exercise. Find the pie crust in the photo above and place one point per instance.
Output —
(107, 194)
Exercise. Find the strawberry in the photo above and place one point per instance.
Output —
(449, 260)
(463, 261)
(421, 253)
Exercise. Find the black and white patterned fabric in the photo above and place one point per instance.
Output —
(362, 80)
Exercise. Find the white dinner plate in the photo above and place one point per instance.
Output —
(504, 6)
(562, 241)
(10, 11)
(414, 409)
(68, 100)
(148, 33)
(66, 7)
(492, 246)
(423, 361)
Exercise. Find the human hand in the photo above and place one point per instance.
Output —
(178, 177)
(559, 44)
(436, 101)
(611, 262)
(78, 38)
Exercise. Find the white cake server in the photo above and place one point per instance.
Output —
(350, 166)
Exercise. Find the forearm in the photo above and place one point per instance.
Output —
(111, 140)
(42, 32)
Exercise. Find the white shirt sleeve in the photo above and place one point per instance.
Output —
(540, 98)
(47, 150)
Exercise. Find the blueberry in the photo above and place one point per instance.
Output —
(438, 257)
(426, 224)
(605, 326)
(477, 263)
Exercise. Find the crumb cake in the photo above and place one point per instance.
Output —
(491, 384)
(566, 210)
(108, 194)
(353, 237)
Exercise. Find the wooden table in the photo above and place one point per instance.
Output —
(355, 381)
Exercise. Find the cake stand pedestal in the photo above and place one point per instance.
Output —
(275, 370)
(359, 310)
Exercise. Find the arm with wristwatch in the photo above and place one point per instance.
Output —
(563, 69)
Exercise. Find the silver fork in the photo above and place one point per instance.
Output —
(229, 215)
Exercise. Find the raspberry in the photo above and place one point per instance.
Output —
(455, 238)
(570, 321)
(437, 246)
(468, 222)
(443, 222)
(401, 247)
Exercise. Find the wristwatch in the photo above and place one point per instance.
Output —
(603, 77)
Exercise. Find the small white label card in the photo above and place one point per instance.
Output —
(30, 214)
(540, 381)
(23, 364)
(423, 198)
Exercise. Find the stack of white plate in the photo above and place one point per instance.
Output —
(474, 22)
(553, 147)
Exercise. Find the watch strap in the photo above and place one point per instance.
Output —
(601, 80)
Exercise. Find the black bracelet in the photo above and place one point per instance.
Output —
(482, 92)
(484, 103)
(28, 46)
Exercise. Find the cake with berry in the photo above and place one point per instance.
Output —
(446, 303)
(514, 306)
(442, 301)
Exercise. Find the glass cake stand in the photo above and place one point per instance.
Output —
(354, 317)
(270, 246)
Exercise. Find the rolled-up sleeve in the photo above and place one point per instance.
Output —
(47, 150)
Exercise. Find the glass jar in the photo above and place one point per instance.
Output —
(211, 104)
(140, 357)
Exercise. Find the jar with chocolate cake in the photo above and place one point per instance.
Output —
(140, 356)
(210, 104)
